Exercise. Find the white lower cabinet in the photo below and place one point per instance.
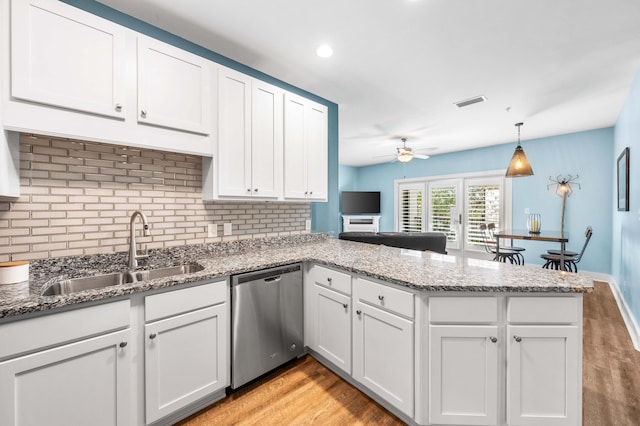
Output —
(85, 382)
(383, 347)
(543, 376)
(500, 360)
(186, 345)
(463, 375)
(333, 327)
(327, 313)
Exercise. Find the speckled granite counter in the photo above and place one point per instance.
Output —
(423, 271)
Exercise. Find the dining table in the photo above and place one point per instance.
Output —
(523, 234)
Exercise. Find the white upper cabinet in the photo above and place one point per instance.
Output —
(249, 136)
(174, 87)
(305, 149)
(69, 73)
(65, 57)
(266, 139)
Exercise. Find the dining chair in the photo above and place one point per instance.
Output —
(571, 258)
(491, 227)
(503, 255)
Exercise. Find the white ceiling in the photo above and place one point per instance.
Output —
(560, 66)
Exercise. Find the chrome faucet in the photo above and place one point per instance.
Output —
(133, 255)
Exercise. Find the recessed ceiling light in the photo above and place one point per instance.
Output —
(324, 51)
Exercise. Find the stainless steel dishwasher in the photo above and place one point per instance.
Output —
(266, 321)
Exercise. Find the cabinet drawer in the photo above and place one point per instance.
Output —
(389, 298)
(544, 310)
(55, 329)
(335, 280)
(463, 310)
(180, 301)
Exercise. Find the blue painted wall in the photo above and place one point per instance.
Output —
(625, 250)
(322, 220)
(588, 154)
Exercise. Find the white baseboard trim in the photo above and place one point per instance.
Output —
(629, 320)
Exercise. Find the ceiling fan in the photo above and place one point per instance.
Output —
(405, 154)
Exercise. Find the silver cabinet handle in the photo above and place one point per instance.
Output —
(380, 297)
(493, 339)
(358, 312)
(118, 107)
(344, 305)
(143, 113)
(152, 336)
(518, 338)
(123, 344)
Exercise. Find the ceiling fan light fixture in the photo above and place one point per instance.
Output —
(519, 165)
(404, 156)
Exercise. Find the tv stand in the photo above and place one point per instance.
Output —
(360, 223)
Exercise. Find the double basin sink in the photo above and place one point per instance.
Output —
(75, 285)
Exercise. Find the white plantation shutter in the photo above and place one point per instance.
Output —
(484, 205)
(410, 207)
(456, 206)
(443, 204)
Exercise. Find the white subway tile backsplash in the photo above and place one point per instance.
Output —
(77, 198)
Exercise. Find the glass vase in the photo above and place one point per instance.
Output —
(534, 223)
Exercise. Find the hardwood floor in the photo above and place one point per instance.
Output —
(306, 393)
(610, 364)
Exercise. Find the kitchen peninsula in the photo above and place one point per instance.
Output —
(435, 339)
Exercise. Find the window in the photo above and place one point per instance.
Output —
(443, 213)
(456, 206)
(409, 207)
(483, 201)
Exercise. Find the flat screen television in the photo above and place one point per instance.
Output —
(360, 202)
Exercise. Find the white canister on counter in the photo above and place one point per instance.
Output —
(14, 272)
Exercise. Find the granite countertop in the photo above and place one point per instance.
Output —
(418, 270)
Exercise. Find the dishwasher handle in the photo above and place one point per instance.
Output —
(273, 279)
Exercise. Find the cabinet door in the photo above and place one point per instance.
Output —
(83, 383)
(185, 359)
(333, 327)
(266, 140)
(463, 374)
(68, 58)
(234, 133)
(174, 87)
(543, 378)
(295, 155)
(317, 155)
(383, 357)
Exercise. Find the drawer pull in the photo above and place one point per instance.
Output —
(123, 344)
(118, 107)
(152, 336)
(518, 338)
(344, 305)
(381, 298)
(358, 312)
(493, 339)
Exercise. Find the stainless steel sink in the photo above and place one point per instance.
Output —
(74, 285)
(168, 272)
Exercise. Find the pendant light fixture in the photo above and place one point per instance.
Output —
(519, 165)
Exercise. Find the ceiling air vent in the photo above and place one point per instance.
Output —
(471, 101)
